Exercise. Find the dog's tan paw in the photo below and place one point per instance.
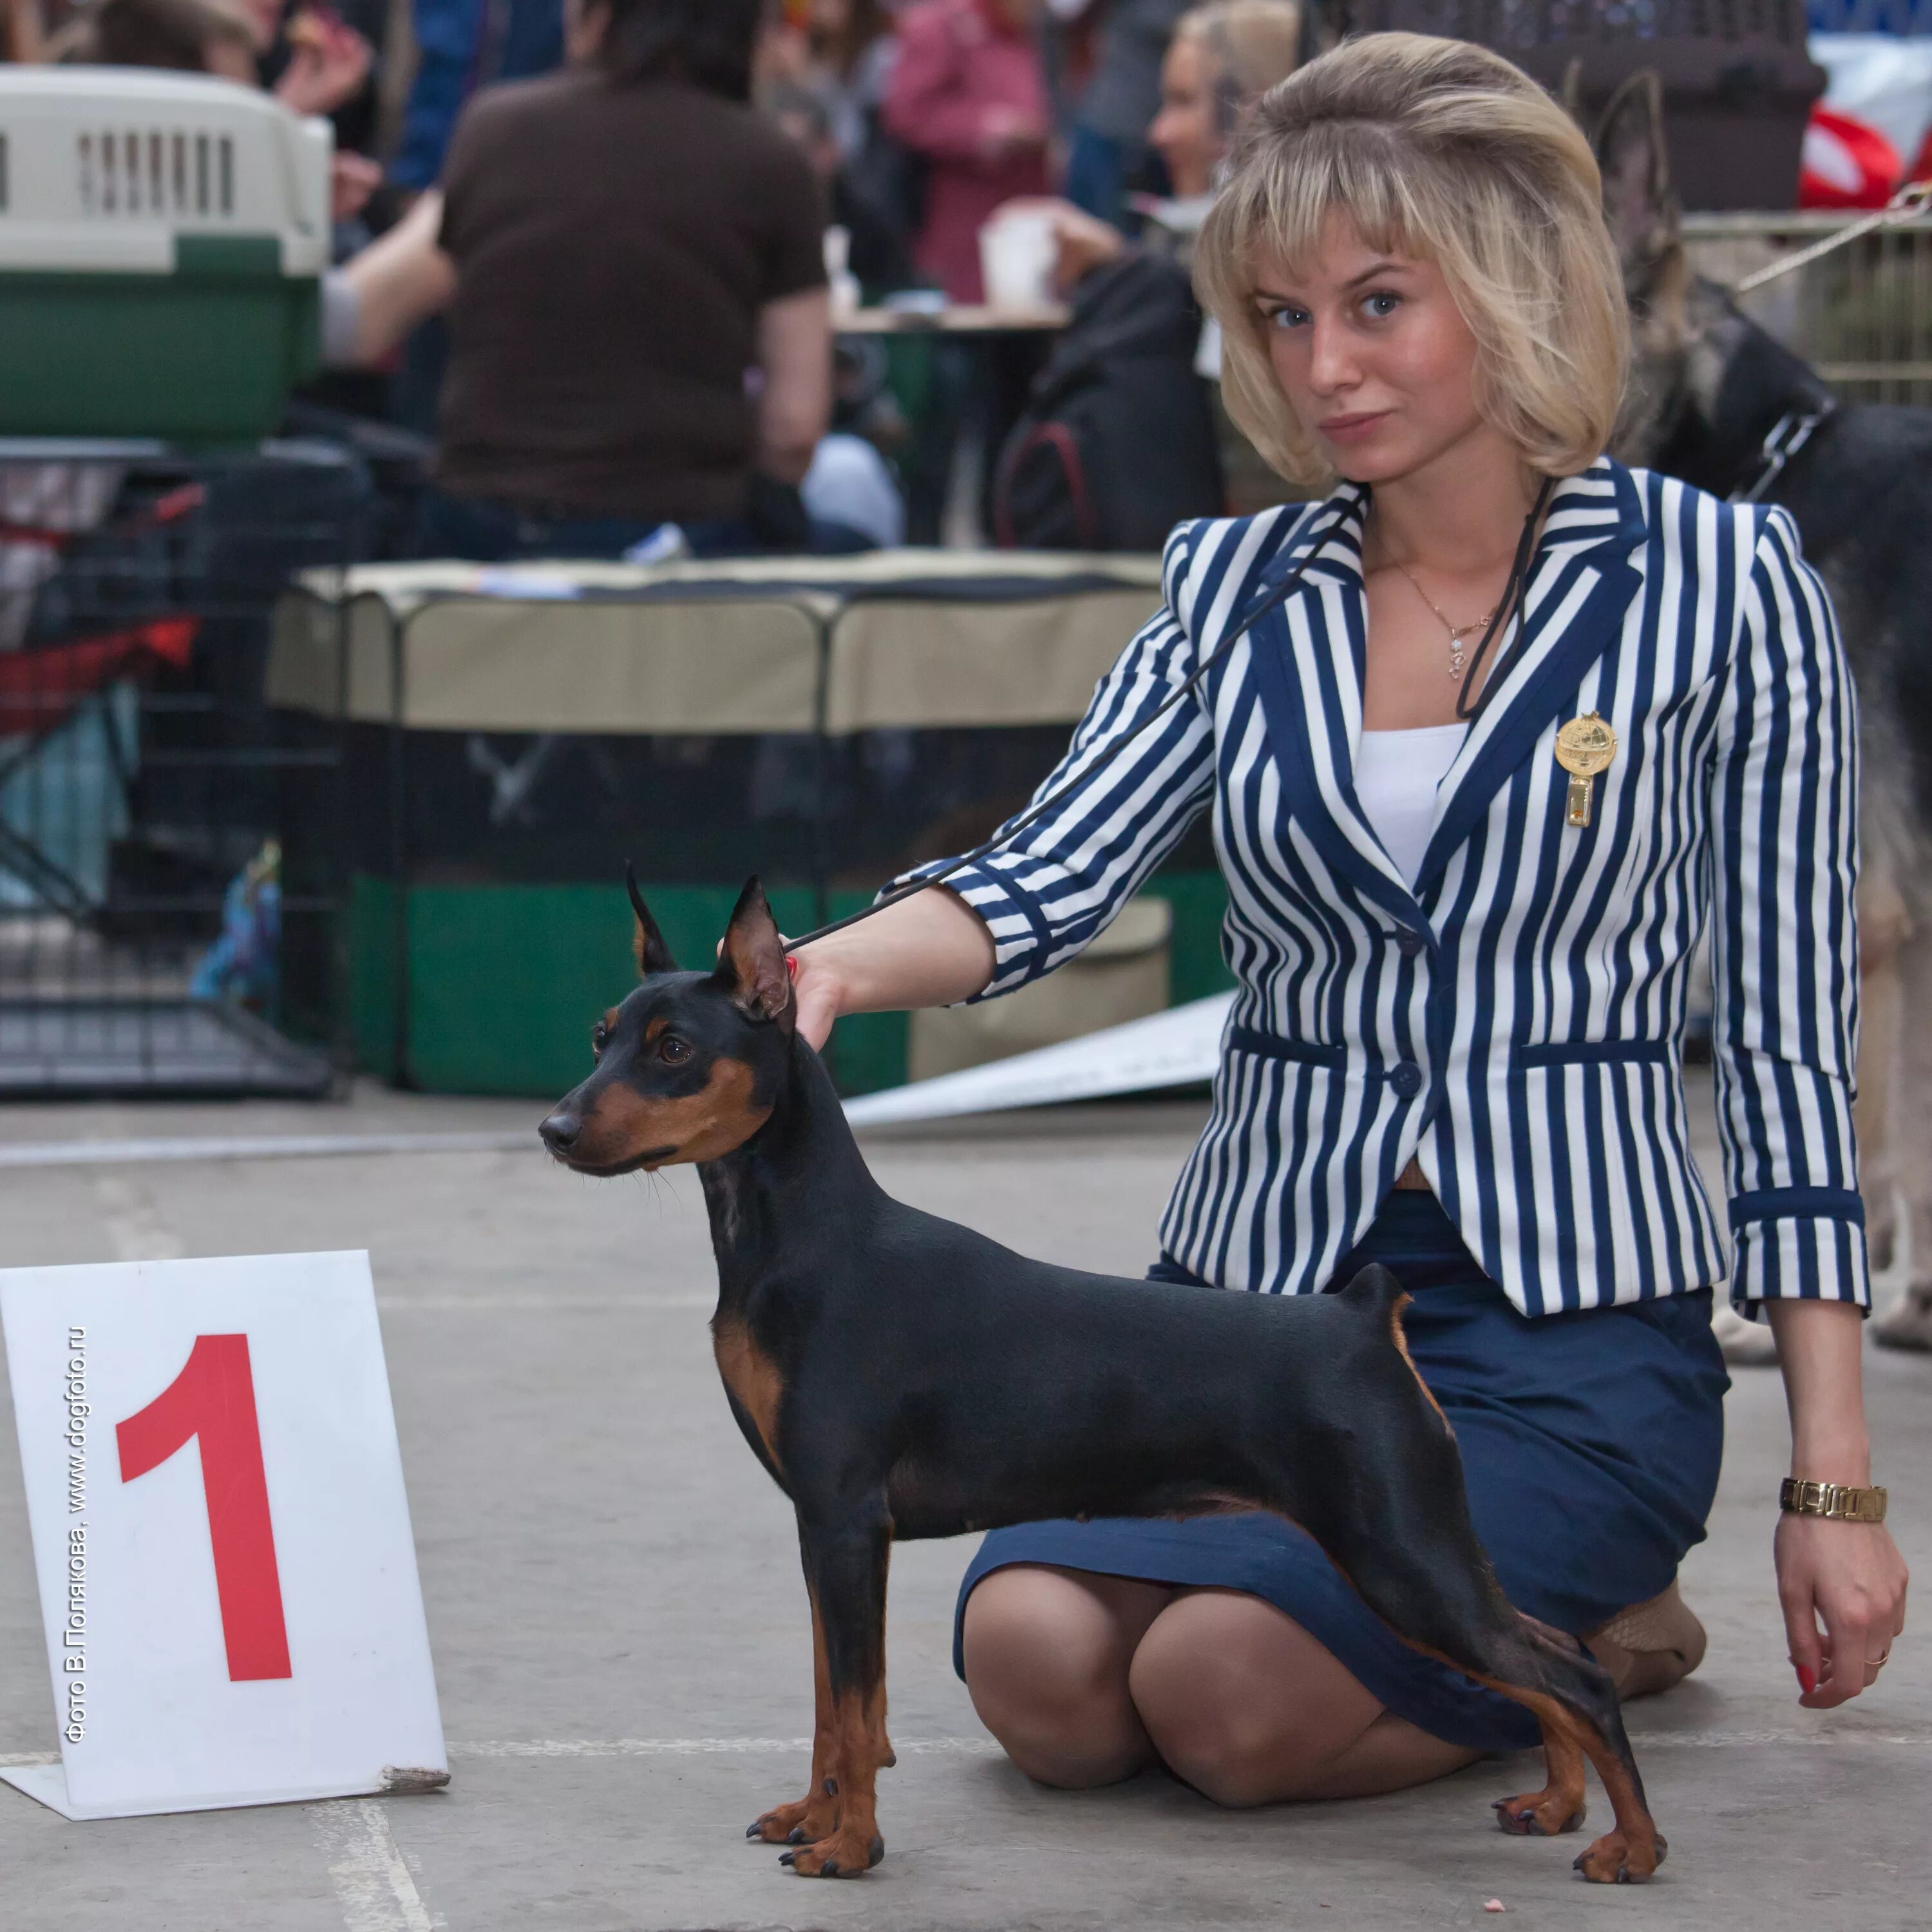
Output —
(1539, 1814)
(1614, 1859)
(843, 1855)
(813, 1817)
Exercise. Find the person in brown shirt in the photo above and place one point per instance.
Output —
(639, 326)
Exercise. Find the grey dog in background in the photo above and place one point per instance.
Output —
(1709, 388)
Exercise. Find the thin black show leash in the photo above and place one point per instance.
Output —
(1505, 608)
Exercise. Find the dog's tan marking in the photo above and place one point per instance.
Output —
(1401, 1341)
(859, 1748)
(756, 1384)
(652, 1028)
(1631, 1851)
(623, 1123)
(815, 1816)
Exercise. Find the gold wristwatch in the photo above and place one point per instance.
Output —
(1834, 1499)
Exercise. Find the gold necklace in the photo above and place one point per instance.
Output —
(1457, 632)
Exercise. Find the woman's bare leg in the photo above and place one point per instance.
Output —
(1241, 1702)
(1047, 1652)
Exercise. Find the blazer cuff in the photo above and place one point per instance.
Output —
(1022, 940)
(1798, 1244)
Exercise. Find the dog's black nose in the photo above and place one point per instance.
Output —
(560, 1131)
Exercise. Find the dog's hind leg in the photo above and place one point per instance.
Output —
(1393, 1514)
(1470, 1625)
(845, 1564)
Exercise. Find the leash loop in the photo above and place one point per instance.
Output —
(1913, 198)
(1787, 436)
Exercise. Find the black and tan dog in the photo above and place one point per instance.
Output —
(901, 1376)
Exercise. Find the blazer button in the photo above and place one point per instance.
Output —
(1405, 1077)
(1408, 942)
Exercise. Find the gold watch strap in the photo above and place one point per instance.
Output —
(1834, 1499)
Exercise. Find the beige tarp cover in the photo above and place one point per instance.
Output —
(903, 637)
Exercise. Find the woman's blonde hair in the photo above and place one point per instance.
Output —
(1251, 44)
(1446, 152)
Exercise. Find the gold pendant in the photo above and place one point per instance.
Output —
(1585, 746)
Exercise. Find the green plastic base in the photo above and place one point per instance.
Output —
(505, 982)
(206, 355)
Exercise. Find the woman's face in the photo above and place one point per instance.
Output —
(1187, 130)
(1373, 356)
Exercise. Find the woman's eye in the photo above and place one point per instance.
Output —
(1382, 305)
(600, 1037)
(1286, 317)
(672, 1051)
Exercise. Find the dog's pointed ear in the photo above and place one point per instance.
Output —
(647, 943)
(1571, 98)
(1638, 200)
(751, 961)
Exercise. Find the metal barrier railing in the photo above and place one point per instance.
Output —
(1861, 315)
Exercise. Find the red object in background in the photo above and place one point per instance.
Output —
(1846, 164)
(1921, 169)
(38, 688)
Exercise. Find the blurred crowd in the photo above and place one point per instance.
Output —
(599, 252)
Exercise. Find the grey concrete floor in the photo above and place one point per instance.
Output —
(620, 1630)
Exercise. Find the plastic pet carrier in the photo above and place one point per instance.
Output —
(161, 238)
(1739, 84)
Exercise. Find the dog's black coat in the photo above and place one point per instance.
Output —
(899, 1376)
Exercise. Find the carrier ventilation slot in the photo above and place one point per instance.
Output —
(129, 171)
(3, 174)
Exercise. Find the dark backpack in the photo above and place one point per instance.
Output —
(1117, 444)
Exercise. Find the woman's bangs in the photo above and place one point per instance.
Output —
(1359, 182)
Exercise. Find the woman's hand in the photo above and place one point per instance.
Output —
(328, 62)
(1084, 243)
(815, 988)
(1849, 1577)
(929, 950)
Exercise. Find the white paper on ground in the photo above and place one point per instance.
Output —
(1179, 1047)
(307, 1673)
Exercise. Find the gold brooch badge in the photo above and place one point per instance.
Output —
(1585, 746)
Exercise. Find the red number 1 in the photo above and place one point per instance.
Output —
(213, 1398)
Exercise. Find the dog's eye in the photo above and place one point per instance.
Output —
(672, 1051)
(600, 1037)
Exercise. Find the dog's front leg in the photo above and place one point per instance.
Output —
(816, 1814)
(845, 1563)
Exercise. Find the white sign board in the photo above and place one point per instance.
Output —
(226, 1573)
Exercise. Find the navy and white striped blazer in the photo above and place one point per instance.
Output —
(1516, 1022)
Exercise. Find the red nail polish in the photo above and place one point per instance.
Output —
(791, 964)
(1807, 1678)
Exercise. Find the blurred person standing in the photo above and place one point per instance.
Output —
(1223, 57)
(1111, 149)
(23, 31)
(633, 265)
(461, 47)
(967, 95)
(843, 54)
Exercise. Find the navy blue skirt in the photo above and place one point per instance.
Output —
(1590, 1445)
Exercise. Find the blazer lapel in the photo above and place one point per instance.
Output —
(1580, 588)
(1307, 660)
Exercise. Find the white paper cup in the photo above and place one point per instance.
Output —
(1017, 253)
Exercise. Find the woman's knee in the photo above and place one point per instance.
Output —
(1242, 1702)
(1046, 1654)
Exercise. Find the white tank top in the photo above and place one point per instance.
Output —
(1396, 773)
